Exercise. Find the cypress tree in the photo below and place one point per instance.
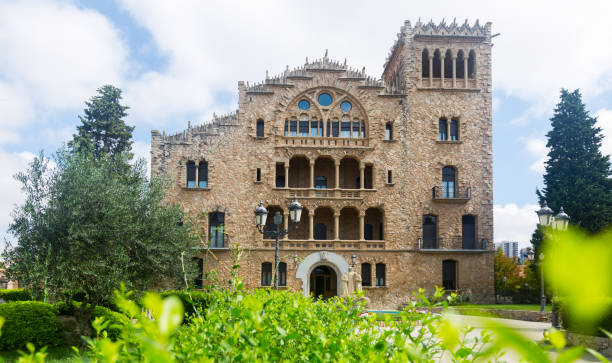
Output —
(578, 175)
(103, 130)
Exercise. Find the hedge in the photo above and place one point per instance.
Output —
(115, 319)
(15, 295)
(29, 321)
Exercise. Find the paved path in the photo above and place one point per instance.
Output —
(531, 330)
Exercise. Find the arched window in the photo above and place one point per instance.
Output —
(388, 131)
(442, 129)
(363, 130)
(454, 129)
(260, 128)
(472, 65)
(437, 64)
(448, 65)
(460, 64)
(448, 182)
(425, 63)
(449, 274)
(468, 232)
(335, 128)
(430, 231)
(266, 274)
(355, 129)
(314, 128)
(366, 274)
(216, 222)
(286, 127)
(203, 175)
(293, 127)
(321, 182)
(191, 174)
(282, 274)
(380, 275)
(320, 231)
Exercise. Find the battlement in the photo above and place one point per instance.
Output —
(204, 130)
(287, 78)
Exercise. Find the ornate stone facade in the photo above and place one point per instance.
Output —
(396, 171)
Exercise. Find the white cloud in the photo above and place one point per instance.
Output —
(604, 121)
(536, 146)
(515, 223)
(54, 55)
(10, 164)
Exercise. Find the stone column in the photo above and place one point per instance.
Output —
(286, 223)
(431, 70)
(337, 165)
(361, 176)
(454, 71)
(310, 226)
(361, 225)
(442, 70)
(312, 171)
(287, 174)
(337, 226)
(465, 72)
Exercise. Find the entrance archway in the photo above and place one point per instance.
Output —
(331, 260)
(323, 282)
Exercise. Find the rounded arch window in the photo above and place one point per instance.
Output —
(325, 99)
(346, 106)
(304, 105)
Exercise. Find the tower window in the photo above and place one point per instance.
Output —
(260, 128)
(442, 129)
(449, 274)
(266, 274)
(437, 64)
(472, 65)
(282, 274)
(425, 63)
(203, 175)
(454, 129)
(258, 176)
(388, 131)
(389, 176)
(191, 174)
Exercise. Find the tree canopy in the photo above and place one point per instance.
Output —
(578, 176)
(103, 130)
(89, 224)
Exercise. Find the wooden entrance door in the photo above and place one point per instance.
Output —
(323, 282)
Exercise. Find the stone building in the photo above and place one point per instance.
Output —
(395, 171)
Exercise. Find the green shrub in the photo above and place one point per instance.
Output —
(116, 321)
(198, 300)
(15, 295)
(29, 321)
(64, 308)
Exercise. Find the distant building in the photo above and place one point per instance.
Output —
(510, 248)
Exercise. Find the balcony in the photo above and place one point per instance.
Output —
(307, 141)
(452, 244)
(219, 241)
(314, 193)
(459, 194)
(326, 244)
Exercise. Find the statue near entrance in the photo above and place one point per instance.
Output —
(351, 282)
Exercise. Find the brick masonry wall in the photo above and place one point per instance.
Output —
(233, 152)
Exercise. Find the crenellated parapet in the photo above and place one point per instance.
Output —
(307, 71)
(452, 30)
(208, 129)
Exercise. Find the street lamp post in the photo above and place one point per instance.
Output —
(542, 292)
(261, 214)
(556, 223)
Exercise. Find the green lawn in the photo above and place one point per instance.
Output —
(54, 355)
(501, 307)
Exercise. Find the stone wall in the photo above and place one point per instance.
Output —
(414, 155)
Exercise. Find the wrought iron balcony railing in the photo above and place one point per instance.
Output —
(219, 241)
(458, 193)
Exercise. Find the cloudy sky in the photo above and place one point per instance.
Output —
(181, 60)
